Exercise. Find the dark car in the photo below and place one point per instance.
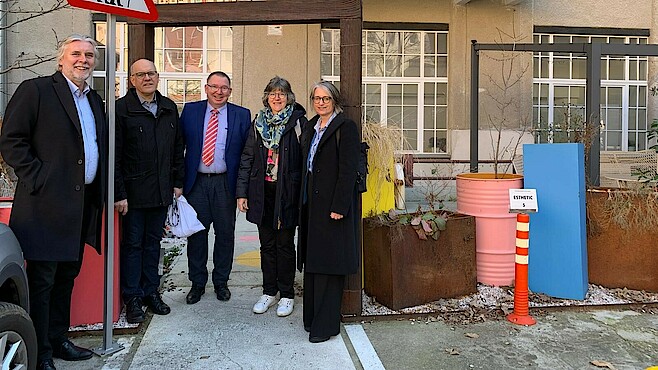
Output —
(17, 334)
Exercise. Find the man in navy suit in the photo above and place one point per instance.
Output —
(215, 133)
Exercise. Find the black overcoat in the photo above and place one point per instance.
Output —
(149, 152)
(328, 246)
(42, 140)
(251, 177)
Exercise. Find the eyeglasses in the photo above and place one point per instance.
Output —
(324, 99)
(279, 95)
(215, 88)
(141, 75)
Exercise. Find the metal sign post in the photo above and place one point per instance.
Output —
(109, 346)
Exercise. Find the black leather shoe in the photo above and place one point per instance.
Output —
(46, 365)
(155, 304)
(195, 294)
(70, 352)
(313, 339)
(223, 294)
(134, 312)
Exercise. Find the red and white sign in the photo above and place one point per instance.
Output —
(142, 9)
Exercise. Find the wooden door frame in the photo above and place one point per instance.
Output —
(141, 38)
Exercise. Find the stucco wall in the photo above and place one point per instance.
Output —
(293, 55)
(39, 36)
(593, 13)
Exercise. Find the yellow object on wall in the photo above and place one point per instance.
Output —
(380, 196)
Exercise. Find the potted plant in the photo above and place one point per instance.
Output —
(420, 257)
(411, 258)
(621, 224)
(485, 194)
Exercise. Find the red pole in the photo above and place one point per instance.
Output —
(521, 314)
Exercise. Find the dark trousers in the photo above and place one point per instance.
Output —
(211, 199)
(140, 251)
(277, 250)
(51, 285)
(323, 296)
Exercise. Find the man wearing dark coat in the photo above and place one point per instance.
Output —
(54, 135)
(149, 170)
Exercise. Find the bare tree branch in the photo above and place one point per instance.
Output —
(24, 15)
(19, 14)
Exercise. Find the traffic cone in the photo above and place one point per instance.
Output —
(521, 314)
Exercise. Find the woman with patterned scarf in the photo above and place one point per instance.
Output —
(268, 187)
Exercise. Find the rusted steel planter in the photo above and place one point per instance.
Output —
(400, 270)
(623, 256)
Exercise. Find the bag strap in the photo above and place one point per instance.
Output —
(173, 214)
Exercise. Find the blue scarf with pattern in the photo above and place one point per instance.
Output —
(270, 126)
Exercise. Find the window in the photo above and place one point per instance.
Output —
(405, 78)
(559, 94)
(184, 56)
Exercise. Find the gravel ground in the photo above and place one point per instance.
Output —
(495, 302)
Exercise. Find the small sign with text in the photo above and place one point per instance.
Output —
(523, 200)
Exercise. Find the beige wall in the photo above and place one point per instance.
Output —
(593, 13)
(293, 55)
(39, 36)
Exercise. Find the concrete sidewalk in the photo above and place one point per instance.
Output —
(227, 335)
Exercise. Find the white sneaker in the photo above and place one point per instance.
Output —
(285, 307)
(265, 302)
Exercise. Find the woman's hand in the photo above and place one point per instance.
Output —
(242, 204)
(335, 216)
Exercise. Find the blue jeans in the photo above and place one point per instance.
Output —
(140, 251)
(211, 199)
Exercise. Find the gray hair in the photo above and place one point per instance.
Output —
(72, 38)
(332, 90)
(278, 83)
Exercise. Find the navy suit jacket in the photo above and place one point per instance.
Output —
(191, 120)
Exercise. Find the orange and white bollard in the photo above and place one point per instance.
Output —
(521, 314)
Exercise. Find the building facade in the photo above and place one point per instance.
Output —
(416, 67)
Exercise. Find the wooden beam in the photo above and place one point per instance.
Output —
(512, 2)
(350, 89)
(256, 12)
(141, 38)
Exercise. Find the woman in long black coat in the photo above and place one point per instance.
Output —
(327, 249)
(268, 187)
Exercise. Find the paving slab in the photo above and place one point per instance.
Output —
(559, 340)
(227, 335)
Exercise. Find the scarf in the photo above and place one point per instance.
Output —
(270, 126)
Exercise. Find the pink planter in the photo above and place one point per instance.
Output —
(487, 198)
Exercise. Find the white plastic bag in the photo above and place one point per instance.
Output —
(181, 218)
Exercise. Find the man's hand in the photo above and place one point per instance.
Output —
(178, 192)
(242, 204)
(121, 206)
(335, 216)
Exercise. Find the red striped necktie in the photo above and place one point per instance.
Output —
(208, 152)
